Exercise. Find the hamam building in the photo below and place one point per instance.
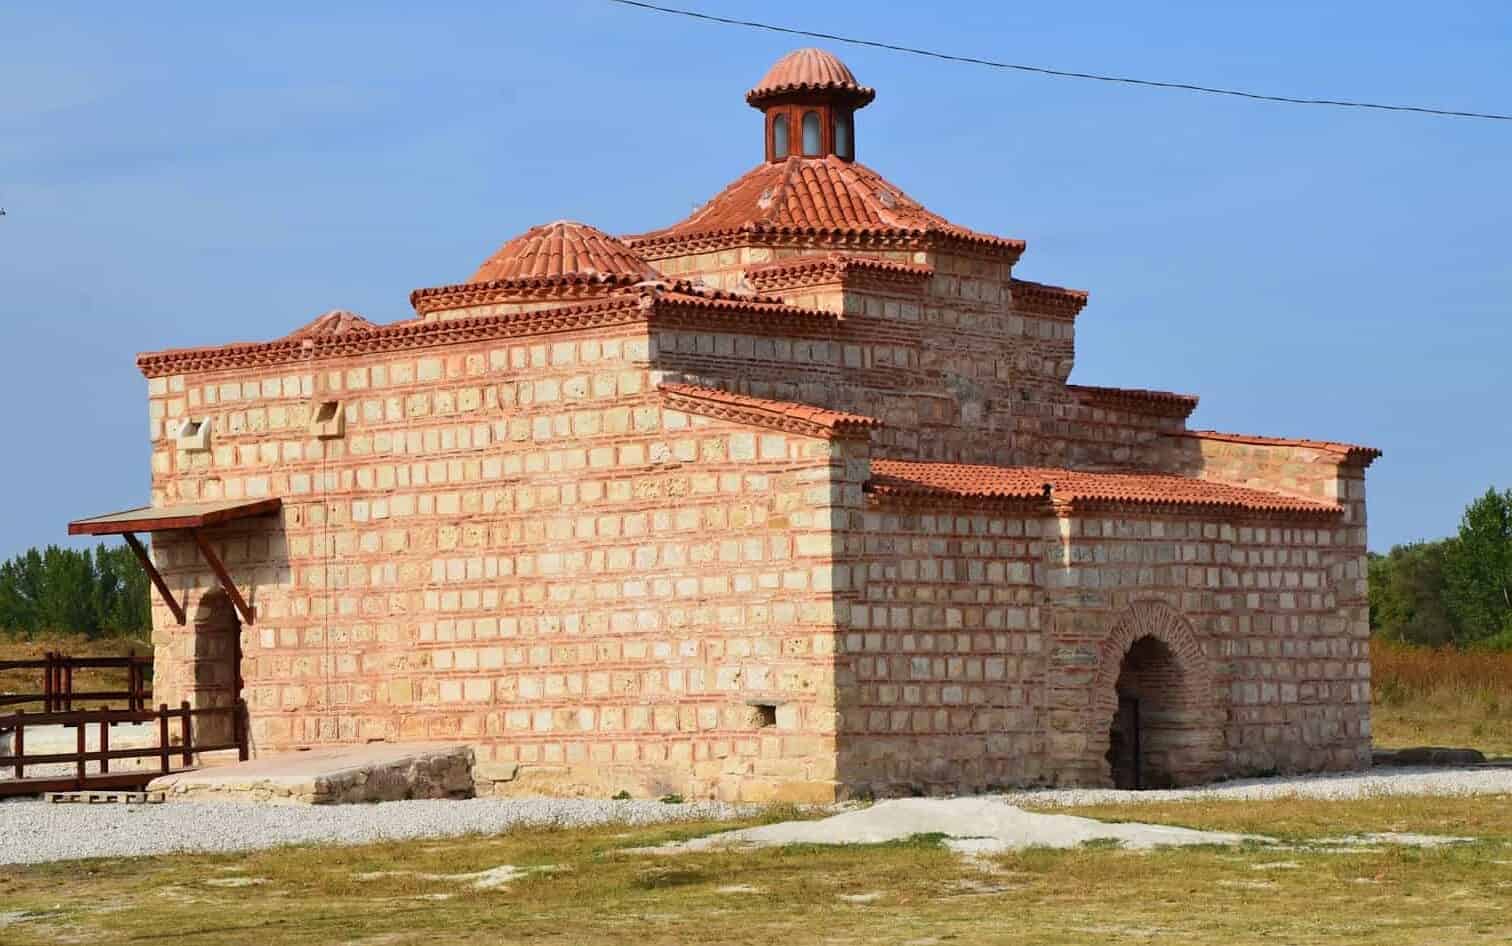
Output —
(792, 499)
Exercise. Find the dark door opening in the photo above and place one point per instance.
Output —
(1123, 745)
(1149, 730)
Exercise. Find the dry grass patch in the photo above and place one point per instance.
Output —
(1441, 697)
(1479, 816)
(586, 887)
(30, 681)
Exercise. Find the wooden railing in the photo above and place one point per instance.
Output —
(58, 693)
(166, 751)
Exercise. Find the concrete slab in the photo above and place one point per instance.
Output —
(332, 775)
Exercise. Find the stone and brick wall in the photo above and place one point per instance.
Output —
(982, 646)
(961, 363)
(942, 650)
(512, 535)
(519, 545)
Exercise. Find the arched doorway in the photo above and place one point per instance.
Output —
(1148, 723)
(1155, 713)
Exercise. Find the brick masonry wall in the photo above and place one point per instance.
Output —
(956, 368)
(983, 647)
(1258, 611)
(518, 545)
(942, 655)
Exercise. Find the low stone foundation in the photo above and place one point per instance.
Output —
(512, 779)
(337, 775)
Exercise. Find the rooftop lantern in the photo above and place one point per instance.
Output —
(809, 99)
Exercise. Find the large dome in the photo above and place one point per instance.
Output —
(564, 251)
(810, 70)
(800, 197)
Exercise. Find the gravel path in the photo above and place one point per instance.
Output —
(1372, 783)
(34, 831)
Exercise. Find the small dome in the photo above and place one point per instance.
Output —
(810, 70)
(564, 250)
(334, 322)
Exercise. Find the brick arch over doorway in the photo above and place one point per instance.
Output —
(1153, 659)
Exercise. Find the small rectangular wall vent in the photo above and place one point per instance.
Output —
(328, 422)
(193, 435)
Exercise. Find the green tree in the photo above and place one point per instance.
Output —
(1478, 571)
(123, 601)
(78, 592)
(1407, 595)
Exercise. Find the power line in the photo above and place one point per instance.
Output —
(1062, 73)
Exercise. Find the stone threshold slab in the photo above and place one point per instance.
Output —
(332, 775)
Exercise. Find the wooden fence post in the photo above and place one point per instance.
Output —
(104, 747)
(188, 734)
(163, 737)
(20, 744)
(83, 744)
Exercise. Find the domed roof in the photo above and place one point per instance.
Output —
(334, 322)
(810, 70)
(563, 251)
(811, 196)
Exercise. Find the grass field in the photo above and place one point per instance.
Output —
(30, 681)
(1441, 697)
(584, 887)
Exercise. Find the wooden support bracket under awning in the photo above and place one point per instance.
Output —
(190, 517)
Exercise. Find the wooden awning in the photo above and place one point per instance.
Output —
(168, 518)
(186, 517)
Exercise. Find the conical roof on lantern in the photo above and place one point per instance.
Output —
(810, 70)
(811, 185)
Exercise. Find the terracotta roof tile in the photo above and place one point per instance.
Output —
(912, 478)
(1351, 452)
(334, 322)
(564, 261)
(1045, 299)
(1137, 400)
(664, 293)
(766, 412)
(810, 70)
(807, 196)
(560, 250)
(675, 300)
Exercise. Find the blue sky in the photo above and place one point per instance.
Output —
(182, 174)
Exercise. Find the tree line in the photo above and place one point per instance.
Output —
(1456, 591)
(98, 593)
